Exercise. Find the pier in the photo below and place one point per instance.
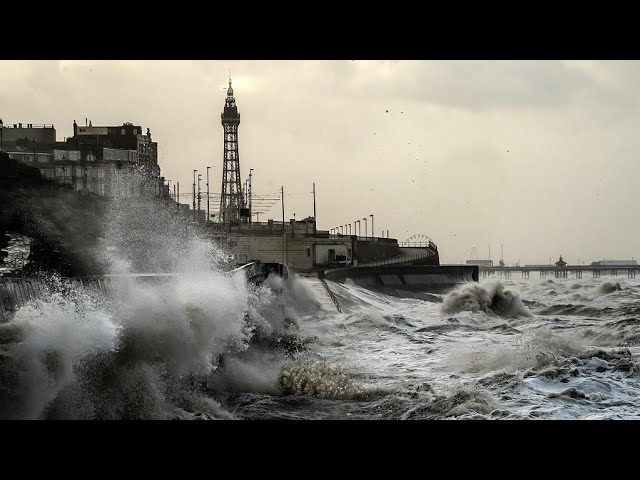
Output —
(564, 271)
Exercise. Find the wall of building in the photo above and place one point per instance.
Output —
(45, 135)
(339, 249)
(303, 253)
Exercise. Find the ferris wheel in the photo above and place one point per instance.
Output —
(418, 238)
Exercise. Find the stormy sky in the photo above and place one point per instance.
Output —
(538, 156)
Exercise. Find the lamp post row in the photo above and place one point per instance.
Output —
(346, 229)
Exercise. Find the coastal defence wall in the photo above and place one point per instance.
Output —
(370, 251)
(406, 281)
(17, 292)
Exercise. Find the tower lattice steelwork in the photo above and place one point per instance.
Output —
(231, 200)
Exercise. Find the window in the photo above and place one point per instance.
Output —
(122, 131)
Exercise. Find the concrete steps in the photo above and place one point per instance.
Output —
(322, 294)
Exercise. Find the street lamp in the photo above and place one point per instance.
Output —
(199, 178)
(250, 194)
(194, 195)
(208, 216)
(365, 227)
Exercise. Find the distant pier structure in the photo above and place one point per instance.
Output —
(231, 200)
(561, 269)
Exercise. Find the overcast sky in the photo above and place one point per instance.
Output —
(540, 156)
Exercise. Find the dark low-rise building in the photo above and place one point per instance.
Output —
(614, 263)
(102, 160)
(482, 263)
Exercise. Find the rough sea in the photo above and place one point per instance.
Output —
(207, 345)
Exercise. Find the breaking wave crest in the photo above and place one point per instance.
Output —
(317, 379)
(489, 297)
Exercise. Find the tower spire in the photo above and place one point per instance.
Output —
(231, 200)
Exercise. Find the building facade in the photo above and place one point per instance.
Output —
(109, 161)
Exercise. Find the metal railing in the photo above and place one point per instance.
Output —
(331, 295)
(425, 244)
(363, 239)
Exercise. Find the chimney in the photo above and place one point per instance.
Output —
(75, 128)
(86, 122)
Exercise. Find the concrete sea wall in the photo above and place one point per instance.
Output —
(406, 281)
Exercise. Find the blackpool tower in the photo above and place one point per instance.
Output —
(231, 200)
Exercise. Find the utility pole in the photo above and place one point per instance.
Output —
(250, 193)
(208, 216)
(315, 219)
(178, 199)
(372, 230)
(194, 195)
(1, 141)
(284, 232)
(199, 177)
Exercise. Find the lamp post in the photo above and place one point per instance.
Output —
(199, 178)
(194, 195)
(365, 227)
(250, 192)
(208, 217)
(372, 230)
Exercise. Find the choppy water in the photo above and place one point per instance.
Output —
(210, 346)
(15, 255)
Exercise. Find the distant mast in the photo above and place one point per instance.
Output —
(231, 199)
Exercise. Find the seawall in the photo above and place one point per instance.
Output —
(16, 292)
(406, 281)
